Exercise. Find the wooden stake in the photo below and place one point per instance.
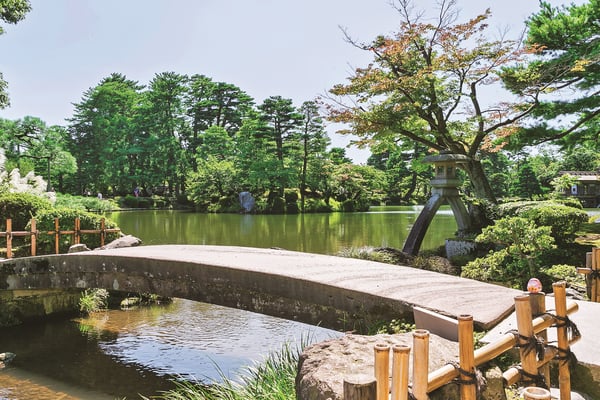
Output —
(536, 393)
(400, 372)
(538, 307)
(360, 387)
(595, 283)
(9, 238)
(560, 304)
(382, 370)
(56, 236)
(420, 363)
(33, 237)
(466, 356)
(525, 328)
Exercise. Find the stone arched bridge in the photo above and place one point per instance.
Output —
(334, 292)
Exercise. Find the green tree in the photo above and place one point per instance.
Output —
(106, 137)
(11, 11)
(164, 118)
(526, 184)
(425, 85)
(313, 141)
(281, 121)
(567, 69)
(520, 247)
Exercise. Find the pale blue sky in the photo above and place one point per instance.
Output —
(266, 47)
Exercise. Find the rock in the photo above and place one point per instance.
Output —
(247, 201)
(6, 358)
(123, 241)
(77, 248)
(494, 385)
(323, 366)
(129, 302)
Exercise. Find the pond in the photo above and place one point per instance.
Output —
(120, 354)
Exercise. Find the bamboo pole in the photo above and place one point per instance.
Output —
(420, 363)
(382, 370)
(76, 233)
(445, 374)
(400, 358)
(56, 236)
(9, 238)
(33, 236)
(525, 328)
(102, 232)
(595, 282)
(466, 357)
(360, 387)
(564, 375)
(538, 307)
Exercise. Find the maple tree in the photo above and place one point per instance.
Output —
(436, 83)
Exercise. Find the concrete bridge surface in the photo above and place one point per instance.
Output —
(333, 292)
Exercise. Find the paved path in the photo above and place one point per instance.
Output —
(445, 294)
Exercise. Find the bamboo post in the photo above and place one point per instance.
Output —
(466, 357)
(536, 393)
(420, 363)
(595, 278)
(360, 387)
(76, 234)
(9, 238)
(560, 305)
(33, 237)
(102, 232)
(382, 370)
(400, 372)
(56, 236)
(537, 302)
(525, 329)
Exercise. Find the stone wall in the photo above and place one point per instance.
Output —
(19, 306)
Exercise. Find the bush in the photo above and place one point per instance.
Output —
(316, 206)
(66, 217)
(86, 203)
(564, 220)
(21, 207)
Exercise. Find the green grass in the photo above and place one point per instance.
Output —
(273, 379)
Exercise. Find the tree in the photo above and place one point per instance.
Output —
(281, 121)
(313, 141)
(106, 137)
(425, 85)
(11, 11)
(567, 68)
(526, 184)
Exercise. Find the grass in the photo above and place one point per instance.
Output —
(273, 379)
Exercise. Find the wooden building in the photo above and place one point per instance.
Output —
(587, 188)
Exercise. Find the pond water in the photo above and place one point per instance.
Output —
(119, 354)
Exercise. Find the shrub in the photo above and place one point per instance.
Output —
(87, 203)
(66, 217)
(93, 300)
(21, 207)
(564, 220)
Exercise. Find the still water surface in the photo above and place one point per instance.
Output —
(123, 353)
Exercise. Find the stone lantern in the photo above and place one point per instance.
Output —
(445, 185)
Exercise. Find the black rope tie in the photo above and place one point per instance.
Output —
(474, 378)
(565, 356)
(537, 379)
(530, 343)
(595, 274)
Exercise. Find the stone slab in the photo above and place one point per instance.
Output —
(444, 294)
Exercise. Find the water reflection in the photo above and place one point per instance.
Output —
(124, 353)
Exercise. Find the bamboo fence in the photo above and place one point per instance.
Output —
(592, 270)
(34, 234)
(532, 323)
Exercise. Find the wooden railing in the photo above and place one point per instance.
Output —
(33, 234)
(532, 322)
(592, 272)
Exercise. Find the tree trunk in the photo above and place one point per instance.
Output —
(481, 185)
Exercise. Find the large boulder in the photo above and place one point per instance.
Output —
(323, 366)
(123, 241)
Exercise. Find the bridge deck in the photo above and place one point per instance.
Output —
(445, 294)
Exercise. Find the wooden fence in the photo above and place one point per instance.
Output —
(33, 233)
(592, 272)
(533, 371)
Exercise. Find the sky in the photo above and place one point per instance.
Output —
(294, 49)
